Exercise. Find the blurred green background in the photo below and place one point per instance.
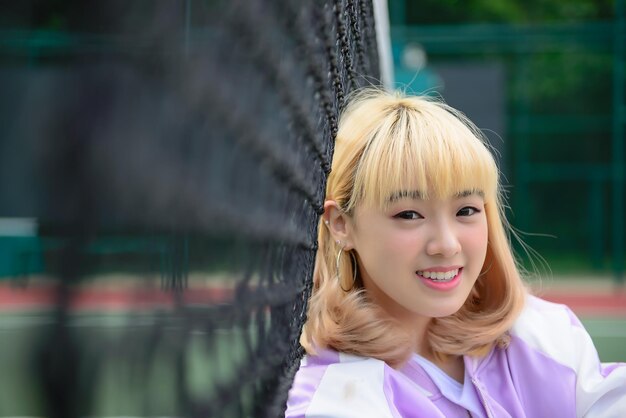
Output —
(545, 80)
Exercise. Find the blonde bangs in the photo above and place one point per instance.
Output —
(426, 147)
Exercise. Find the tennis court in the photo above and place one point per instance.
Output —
(127, 343)
(132, 374)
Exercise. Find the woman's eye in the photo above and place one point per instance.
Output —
(467, 211)
(408, 214)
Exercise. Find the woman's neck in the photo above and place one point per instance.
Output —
(452, 365)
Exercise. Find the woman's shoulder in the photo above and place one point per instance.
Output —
(550, 338)
(335, 384)
(551, 313)
(336, 364)
(549, 328)
(338, 385)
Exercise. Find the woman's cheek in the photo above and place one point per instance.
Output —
(400, 241)
(475, 240)
(387, 243)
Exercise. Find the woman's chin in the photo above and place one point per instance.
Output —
(443, 310)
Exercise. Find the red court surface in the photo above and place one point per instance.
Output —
(593, 297)
(584, 304)
(586, 299)
(44, 297)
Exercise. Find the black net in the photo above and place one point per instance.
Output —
(162, 170)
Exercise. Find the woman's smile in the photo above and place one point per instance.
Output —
(439, 273)
(440, 279)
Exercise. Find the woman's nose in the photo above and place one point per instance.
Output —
(443, 241)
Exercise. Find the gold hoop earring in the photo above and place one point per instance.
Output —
(354, 267)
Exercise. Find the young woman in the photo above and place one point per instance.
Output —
(418, 309)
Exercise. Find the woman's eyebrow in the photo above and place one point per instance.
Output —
(418, 195)
(467, 193)
(403, 194)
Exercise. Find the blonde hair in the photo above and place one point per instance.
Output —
(387, 143)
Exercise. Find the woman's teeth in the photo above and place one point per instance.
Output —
(439, 275)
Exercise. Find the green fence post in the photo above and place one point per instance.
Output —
(521, 141)
(619, 118)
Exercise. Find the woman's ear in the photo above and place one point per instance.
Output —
(338, 223)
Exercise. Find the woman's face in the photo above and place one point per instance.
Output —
(421, 257)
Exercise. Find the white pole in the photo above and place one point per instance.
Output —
(383, 39)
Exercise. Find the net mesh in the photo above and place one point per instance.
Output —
(174, 156)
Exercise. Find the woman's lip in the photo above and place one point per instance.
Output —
(441, 269)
